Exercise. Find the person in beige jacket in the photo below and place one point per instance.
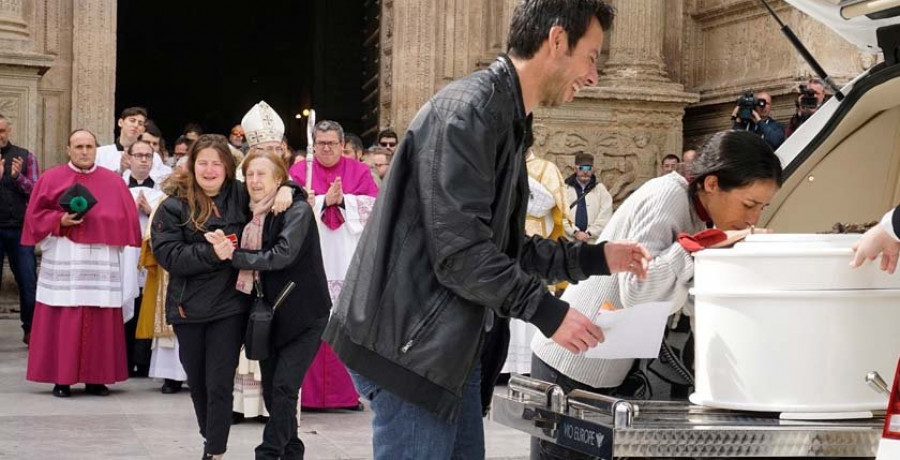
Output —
(589, 204)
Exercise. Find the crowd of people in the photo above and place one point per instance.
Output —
(422, 268)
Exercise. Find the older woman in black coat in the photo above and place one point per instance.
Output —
(276, 250)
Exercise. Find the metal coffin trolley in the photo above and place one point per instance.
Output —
(609, 428)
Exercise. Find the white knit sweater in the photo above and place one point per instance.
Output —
(653, 215)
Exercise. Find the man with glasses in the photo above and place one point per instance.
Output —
(381, 163)
(770, 130)
(145, 191)
(343, 196)
(388, 139)
(590, 206)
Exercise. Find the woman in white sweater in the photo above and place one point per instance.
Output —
(733, 179)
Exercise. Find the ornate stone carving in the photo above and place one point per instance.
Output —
(94, 67)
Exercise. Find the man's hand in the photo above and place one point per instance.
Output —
(627, 256)
(283, 199)
(577, 333)
(335, 195)
(68, 219)
(582, 236)
(124, 163)
(15, 168)
(143, 204)
(876, 241)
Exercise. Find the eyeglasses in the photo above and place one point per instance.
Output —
(388, 144)
(585, 167)
(237, 133)
(331, 145)
(381, 165)
(141, 156)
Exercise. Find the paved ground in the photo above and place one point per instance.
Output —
(138, 422)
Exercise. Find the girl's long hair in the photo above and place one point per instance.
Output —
(183, 184)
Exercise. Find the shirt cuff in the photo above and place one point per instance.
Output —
(887, 223)
(549, 314)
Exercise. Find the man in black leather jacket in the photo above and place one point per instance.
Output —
(445, 250)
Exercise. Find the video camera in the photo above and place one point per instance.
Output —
(747, 103)
(808, 99)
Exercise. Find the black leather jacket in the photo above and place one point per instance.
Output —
(445, 248)
(201, 287)
(290, 252)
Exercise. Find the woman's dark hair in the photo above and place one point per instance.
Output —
(533, 19)
(183, 184)
(737, 159)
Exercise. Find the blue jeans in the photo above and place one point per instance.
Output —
(22, 263)
(405, 431)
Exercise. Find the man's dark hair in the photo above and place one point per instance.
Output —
(182, 139)
(533, 19)
(737, 158)
(387, 132)
(353, 141)
(130, 149)
(151, 129)
(133, 111)
(193, 127)
(671, 156)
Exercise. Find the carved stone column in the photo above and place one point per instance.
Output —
(636, 44)
(94, 67)
(13, 24)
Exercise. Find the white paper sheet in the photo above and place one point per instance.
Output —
(635, 332)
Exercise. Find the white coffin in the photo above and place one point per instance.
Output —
(794, 351)
(783, 324)
(787, 262)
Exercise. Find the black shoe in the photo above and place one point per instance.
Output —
(96, 389)
(171, 387)
(62, 391)
(26, 338)
(236, 418)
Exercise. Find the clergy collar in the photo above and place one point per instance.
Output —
(148, 182)
(119, 145)
(83, 171)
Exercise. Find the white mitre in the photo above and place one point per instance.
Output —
(262, 124)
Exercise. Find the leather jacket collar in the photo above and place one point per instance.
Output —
(505, 71)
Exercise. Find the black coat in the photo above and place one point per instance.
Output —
(201, 287)
(445, 248)
(290, 252)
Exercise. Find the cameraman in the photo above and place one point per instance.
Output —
(812, 96)
(752, 114)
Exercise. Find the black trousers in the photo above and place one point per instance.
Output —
(138, 351)
(282, 375)
(209, 353)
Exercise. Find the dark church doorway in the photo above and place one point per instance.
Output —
(208, 62)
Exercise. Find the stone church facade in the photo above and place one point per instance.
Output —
(671, 71)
